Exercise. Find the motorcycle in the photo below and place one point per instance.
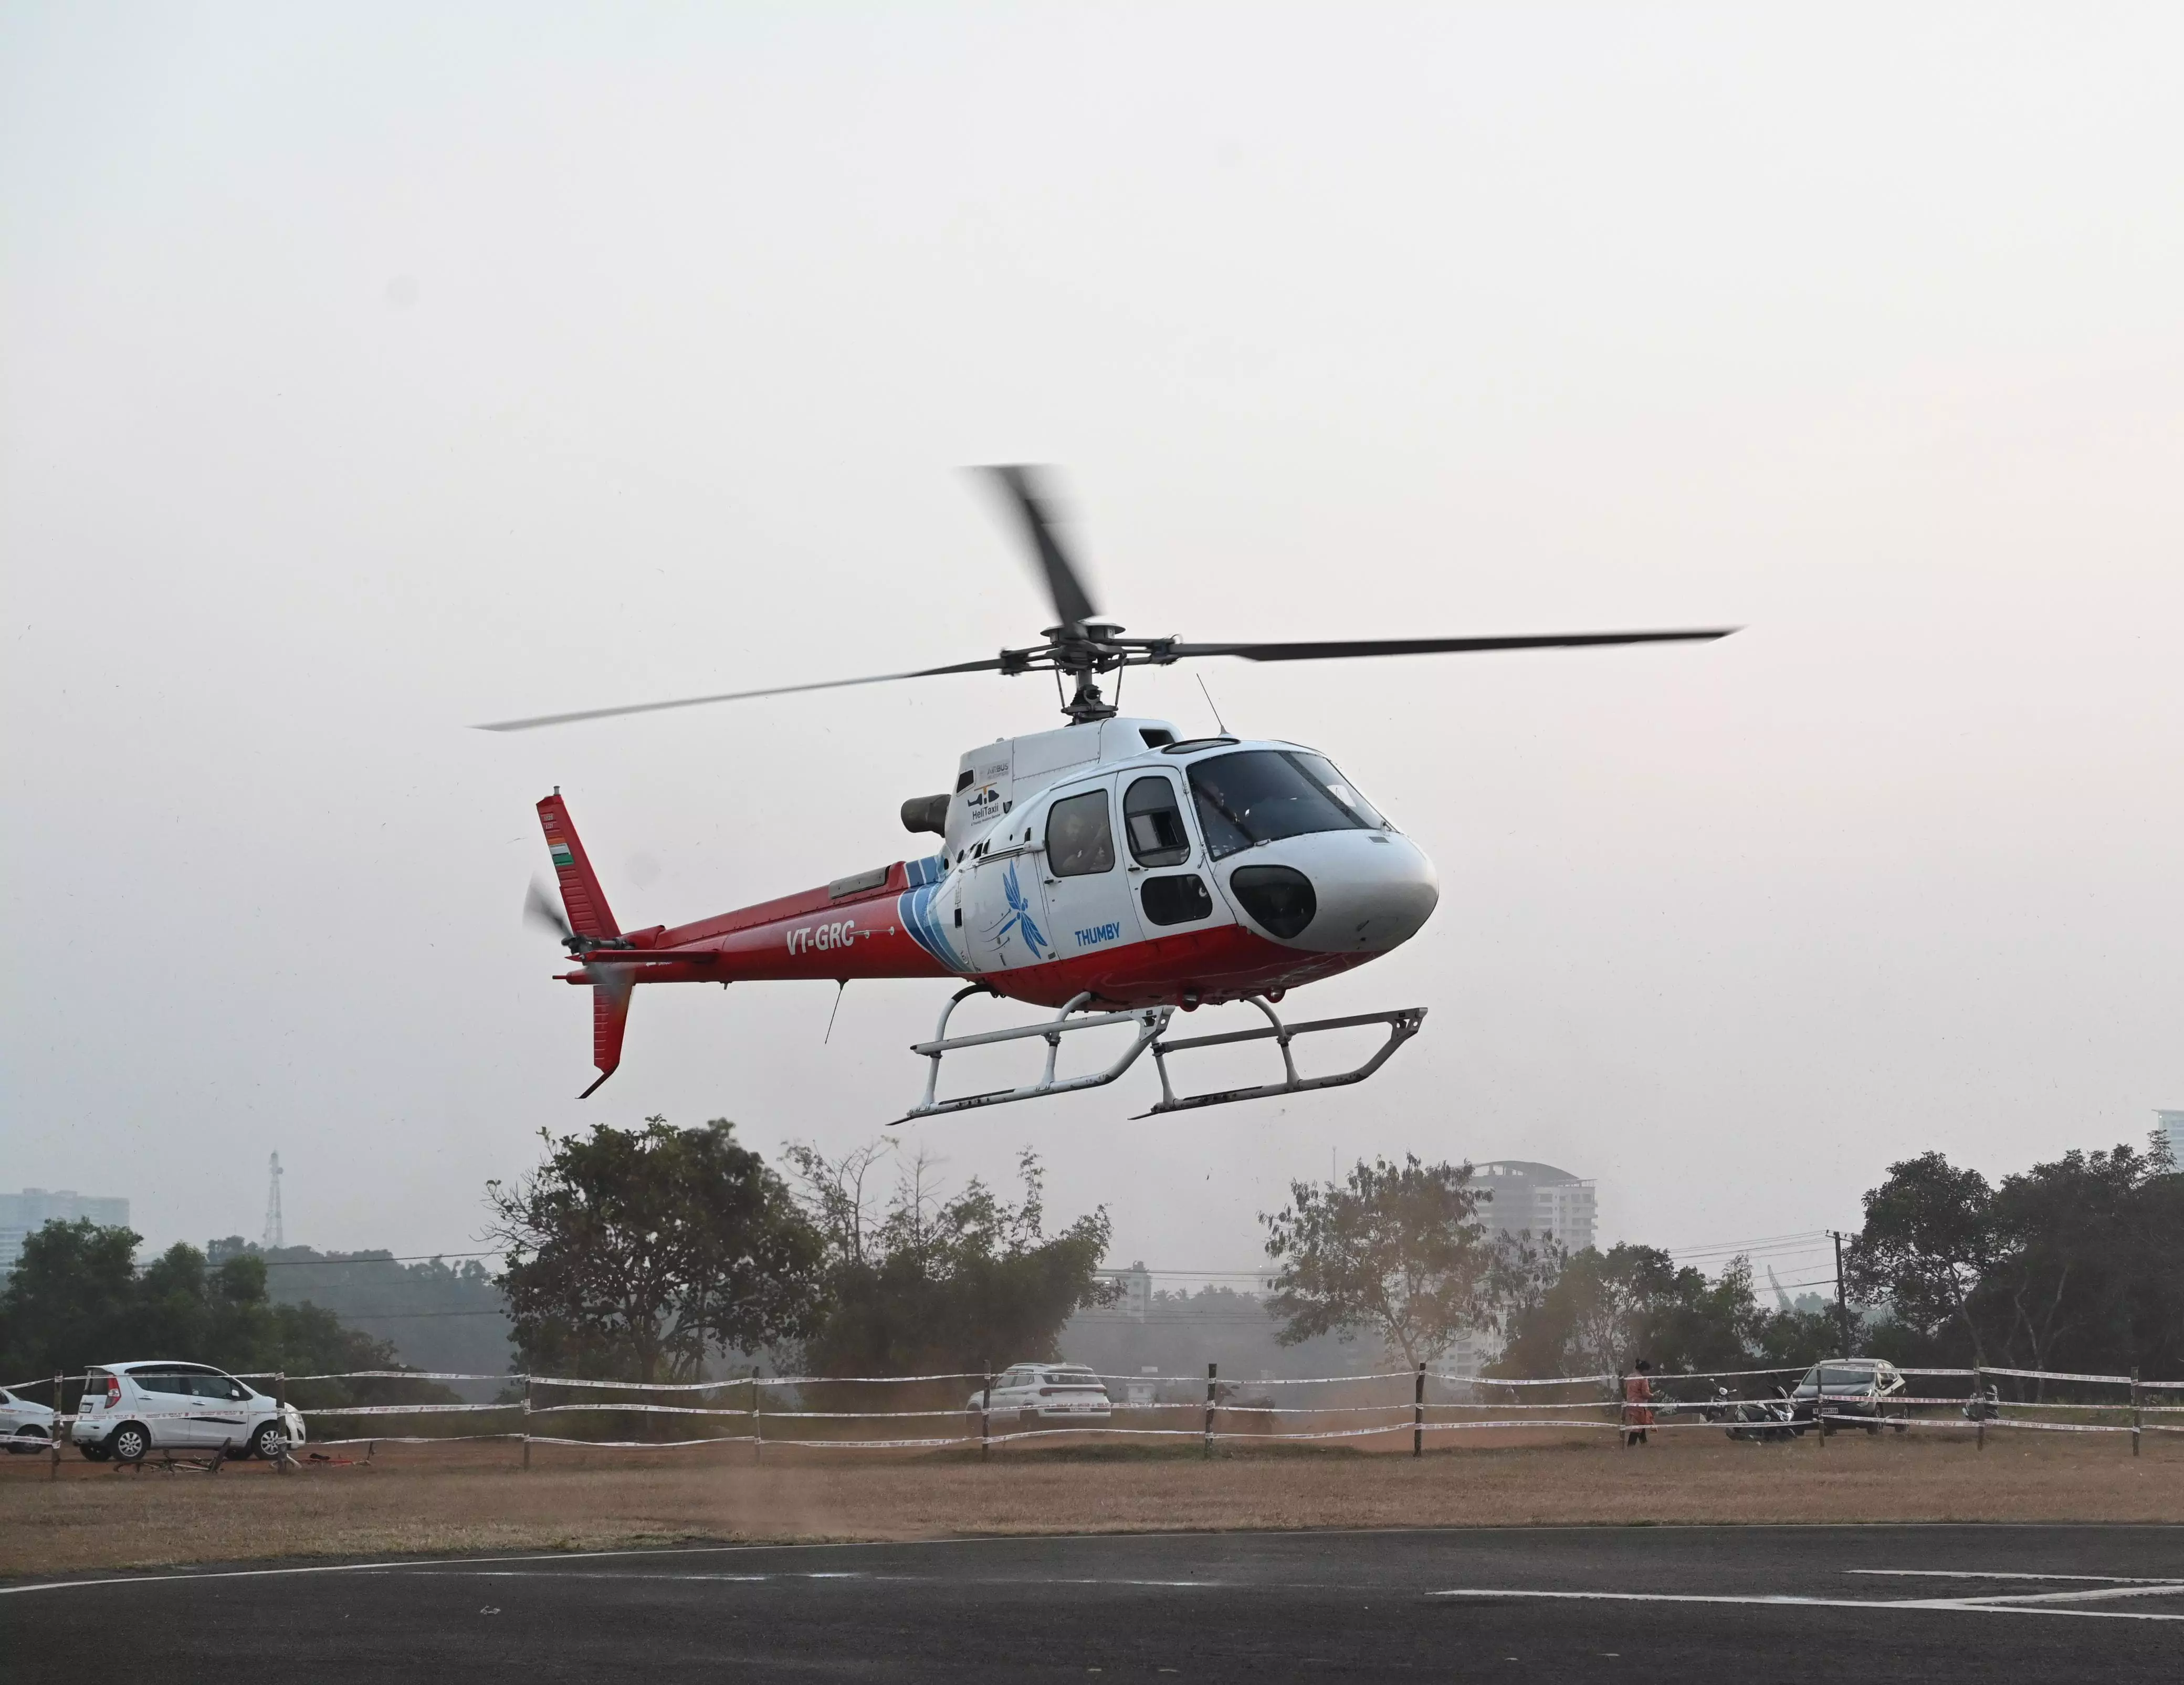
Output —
(1755, 1421)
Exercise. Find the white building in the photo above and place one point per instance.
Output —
(2171, 1124)
(22, 1215)
(1537, 1199)
(1527, 1199)
(1137, 1285)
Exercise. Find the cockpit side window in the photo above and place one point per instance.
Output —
(1260, 795)
(1080, 841)
(1152, 820)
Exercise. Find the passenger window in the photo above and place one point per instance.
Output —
(1152, 819)
(1176, 901)
(1079, 840)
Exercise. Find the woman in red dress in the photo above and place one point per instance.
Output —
(1637, 1404)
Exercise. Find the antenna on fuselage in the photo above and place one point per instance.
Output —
(1208, 694)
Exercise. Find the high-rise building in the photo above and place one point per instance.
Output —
(2172, 1125)
(1137, 1285)
(1527, 1199)
(1537, 1199)
(22, 1215)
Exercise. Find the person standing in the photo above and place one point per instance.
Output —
(1637, 1404)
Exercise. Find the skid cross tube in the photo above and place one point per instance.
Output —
(1150, 1021)
(1402, 1024)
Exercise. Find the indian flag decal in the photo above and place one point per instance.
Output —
(559, 850)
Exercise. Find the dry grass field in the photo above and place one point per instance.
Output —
(453, 1497)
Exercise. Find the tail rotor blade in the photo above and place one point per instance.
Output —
(539, 909)
(1073, 603)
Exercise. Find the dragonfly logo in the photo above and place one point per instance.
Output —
(1019, 918)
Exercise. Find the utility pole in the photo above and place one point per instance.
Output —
(1842, 1303)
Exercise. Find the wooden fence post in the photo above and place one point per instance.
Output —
(53, 1437)
(280, 1463)
(1213, 1381)
(526, 1422)
(986, 1419)
(1979, 1403)
(1419, 1415)
(2134, 1411)
(758, 1420)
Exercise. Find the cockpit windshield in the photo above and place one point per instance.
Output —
(1260, 795)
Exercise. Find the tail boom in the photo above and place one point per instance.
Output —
(878, 923)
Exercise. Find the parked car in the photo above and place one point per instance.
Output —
(131, 1409)
(28, 1427)
(1050, 1393)
(1853, 1390)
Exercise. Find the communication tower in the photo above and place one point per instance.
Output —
(274, 1235)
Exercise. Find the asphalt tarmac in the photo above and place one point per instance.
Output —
(1844, 1604)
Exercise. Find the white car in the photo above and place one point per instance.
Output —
(1052, 1393)
(27, 1427)
(128, 1410)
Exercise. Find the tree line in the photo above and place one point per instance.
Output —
(659, 1254)
(78, 1297)
(2074, 1265)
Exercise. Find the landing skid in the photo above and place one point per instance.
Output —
(1402, 1024)
(1151, 1022)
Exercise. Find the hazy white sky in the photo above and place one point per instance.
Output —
(370, 371)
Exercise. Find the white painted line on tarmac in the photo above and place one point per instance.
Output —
(1961, 1605)
(2014, 1574)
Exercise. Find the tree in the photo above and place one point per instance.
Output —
(2076, 1264)
(940, 1282)
(1396, 1249)
(68, 1300)
(1608, 1309)
(1928, 1239)
(632, 1253)
(2085, 1269)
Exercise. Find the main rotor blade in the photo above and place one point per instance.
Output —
(1064, 584)
(992, 665)
(1337, 648)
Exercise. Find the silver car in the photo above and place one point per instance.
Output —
(27, 1426)
(1853, 1391)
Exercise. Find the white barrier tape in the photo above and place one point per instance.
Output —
(753, 1380)
(633, 1410)
(399, 1409)
(1840, 1424)
(650, 1444)
(1194, 1381)
(377, 1375)
(873, 1444)
(415, 1439)
(866, 1415)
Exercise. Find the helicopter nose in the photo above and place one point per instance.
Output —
(1336, 892)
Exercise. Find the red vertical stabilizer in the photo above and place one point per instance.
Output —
(589, 915)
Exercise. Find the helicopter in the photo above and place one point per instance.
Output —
(1112, 870)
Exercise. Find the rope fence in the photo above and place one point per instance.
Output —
(795, 1412)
